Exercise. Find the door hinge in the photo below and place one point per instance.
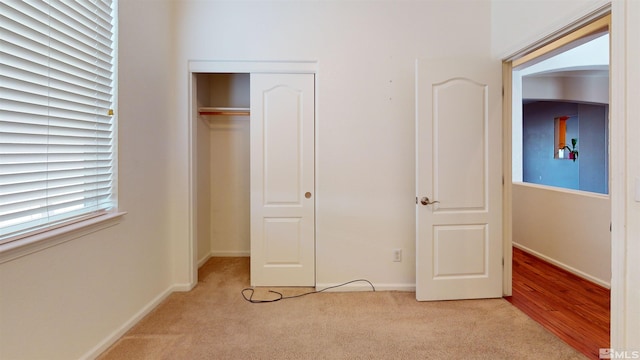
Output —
(416, 200)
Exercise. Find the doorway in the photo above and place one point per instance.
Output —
(567, 228)
(572, 85)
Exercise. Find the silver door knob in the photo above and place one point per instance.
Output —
(425, 201)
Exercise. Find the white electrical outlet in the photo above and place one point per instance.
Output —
(397, 255)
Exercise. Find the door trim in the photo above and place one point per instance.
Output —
(507, 191)
(225, 66)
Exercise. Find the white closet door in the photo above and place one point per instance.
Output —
(282, 180)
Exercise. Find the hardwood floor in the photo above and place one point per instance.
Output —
(576, 310)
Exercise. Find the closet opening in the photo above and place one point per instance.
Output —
(223, 165)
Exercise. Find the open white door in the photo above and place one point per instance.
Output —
(458, 179)
(282, 180)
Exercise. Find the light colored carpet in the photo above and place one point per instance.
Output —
(213, 321)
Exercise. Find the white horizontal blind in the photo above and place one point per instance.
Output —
(56, 132)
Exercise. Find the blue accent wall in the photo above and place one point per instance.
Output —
(594, 157)
(588, 123)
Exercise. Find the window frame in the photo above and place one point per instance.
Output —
(52, 234)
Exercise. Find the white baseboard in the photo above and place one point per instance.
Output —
(564, 266)
(118, 333)
(230, 253)
(183, 287)
(204, 260)
(222, 254)
(364, 286)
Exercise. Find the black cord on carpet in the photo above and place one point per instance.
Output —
(282, 297)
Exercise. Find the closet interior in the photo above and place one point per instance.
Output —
(222, 153)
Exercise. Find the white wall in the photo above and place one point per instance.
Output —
(567, 228)
(62, 302)
(365, 104)
(590, 89)
(516, 24)
(203, 183)
(230, 200)
(223, 187)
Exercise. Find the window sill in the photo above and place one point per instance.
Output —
(28, 245)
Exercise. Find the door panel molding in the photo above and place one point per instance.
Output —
(463, 187)
(283, 163)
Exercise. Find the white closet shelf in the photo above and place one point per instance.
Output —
(228, 111)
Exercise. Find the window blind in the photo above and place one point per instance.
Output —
(56, 123)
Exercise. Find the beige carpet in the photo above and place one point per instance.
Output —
(214, 322)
